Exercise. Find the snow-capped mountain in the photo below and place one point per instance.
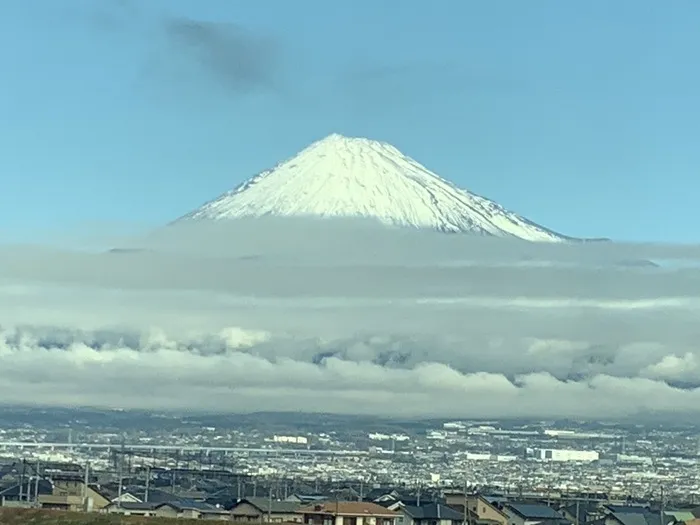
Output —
(356, 177)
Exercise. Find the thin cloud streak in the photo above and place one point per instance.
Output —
(241, 62)
(350, 317)
(182, 52)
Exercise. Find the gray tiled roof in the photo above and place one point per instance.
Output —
(280, 507)
(535, 511)
(433, 511)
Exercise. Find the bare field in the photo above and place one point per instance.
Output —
(58, 517)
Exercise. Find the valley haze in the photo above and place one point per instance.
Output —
(352, 316)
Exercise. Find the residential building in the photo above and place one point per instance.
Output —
(70, 493)
(306, 498)
(264, 509)
(481, 510)
(431, 514)
(533, 514)
(581, 512)
(634, 515)
(383, 495)
(679, 515)
(191, 510)
(348, 513)
(24, 495)
(127, 497)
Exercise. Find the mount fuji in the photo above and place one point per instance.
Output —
(340, 176)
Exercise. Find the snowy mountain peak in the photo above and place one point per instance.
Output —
(336, 143)
(337, 137)
(340, 176)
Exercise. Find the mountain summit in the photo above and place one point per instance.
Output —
(356, 177)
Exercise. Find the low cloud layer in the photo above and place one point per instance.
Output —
(349, 317)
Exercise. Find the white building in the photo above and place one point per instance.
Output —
(387, 437)
(471, 456)
(551, 454)
(299, 440)
(635, 460)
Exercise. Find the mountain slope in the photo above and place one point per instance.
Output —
(356, 177)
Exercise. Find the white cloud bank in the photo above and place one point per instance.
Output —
(352, 318)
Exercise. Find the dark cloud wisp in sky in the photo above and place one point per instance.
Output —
(242, 62)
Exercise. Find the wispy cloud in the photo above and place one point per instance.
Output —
(354, 318)
(177, 48)
(239, 60)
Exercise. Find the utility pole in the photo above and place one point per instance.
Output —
(148, 483)
(21, 482)
(86, 480)
(661, 507)
(36, 484)
(337, 508)
(466, 503)
(269, 504)
(121, 479)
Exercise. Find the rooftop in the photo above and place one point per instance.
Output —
(348, 508)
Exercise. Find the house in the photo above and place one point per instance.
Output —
(382, 495)
(15, 471)
(306, 498)
(23, 494)
(194, 495)
(386, 497)
(257, 510)
(431, 514)
(70, 493)
(344, 494)
(165, 504)
(183, 509)
(132, 508)
(310, 498)
(398, 505)
(634, 515)
(481, 510)
(127, 497)
(580, 512)
(678, 516)
(532, 514)
(160, 496)
(225, 497)
(348, 513)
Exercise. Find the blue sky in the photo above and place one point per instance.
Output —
(584, 117)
